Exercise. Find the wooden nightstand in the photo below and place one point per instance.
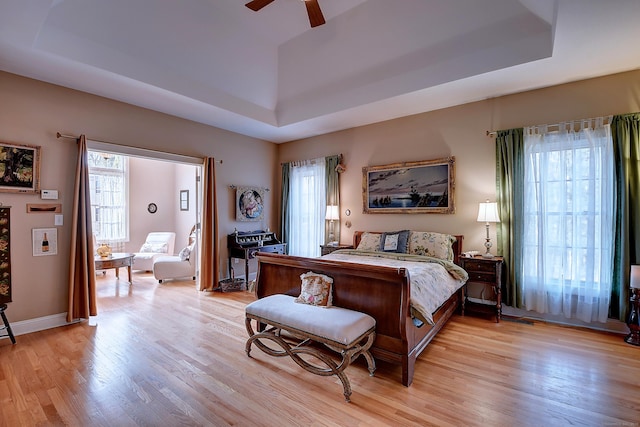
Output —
(327, 249)
(484, 288)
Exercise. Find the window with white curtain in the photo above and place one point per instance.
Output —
(307, 207)
(108, 178)
(569, 220)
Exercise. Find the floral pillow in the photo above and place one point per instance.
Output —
(435, 245)
(369, 242)
(396, 241)
(160, 248)
(316, 289)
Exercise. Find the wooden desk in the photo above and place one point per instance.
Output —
(116, 260)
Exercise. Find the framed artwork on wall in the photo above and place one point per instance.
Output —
(184, 200)
(45, 241)
(19, 168)
(5, 254)
(410, 187)
(249, 203)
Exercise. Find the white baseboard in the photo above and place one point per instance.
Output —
(612, 325)
(38, 324)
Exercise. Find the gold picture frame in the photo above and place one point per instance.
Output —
(19, 168)
(410, 187)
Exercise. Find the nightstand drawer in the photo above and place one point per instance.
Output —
(475, 276)
(479, 266)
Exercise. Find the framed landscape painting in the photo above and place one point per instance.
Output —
(19, 168)
(410, 187)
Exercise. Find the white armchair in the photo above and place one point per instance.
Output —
(177, 267)
(156, 245)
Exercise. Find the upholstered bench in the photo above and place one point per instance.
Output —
(347, 332)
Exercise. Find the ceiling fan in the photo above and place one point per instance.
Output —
(313, 10)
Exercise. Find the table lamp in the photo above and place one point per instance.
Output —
(487, 213)
(332, 215)
(633, 321)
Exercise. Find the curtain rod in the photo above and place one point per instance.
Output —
(60, 135)
(340, 157)
(606, 119)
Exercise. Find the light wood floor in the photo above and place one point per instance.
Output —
(168, 355)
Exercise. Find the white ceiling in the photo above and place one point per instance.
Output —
(268, 75)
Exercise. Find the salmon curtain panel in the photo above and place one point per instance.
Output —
(210, 258)
(82, 277)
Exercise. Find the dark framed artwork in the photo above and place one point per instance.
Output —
(5, 255)
(184, 200)
(249, 203)
(19, 168)
(410, 187)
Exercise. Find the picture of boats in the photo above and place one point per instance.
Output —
(420, 186)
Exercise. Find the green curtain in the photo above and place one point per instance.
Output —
(285, 222)
(510, 192)
(332, 191)
(625, 131)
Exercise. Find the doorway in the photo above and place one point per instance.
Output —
(161, 192)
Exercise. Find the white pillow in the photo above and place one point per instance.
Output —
(159, 248)
(185, 253)
(369, 242)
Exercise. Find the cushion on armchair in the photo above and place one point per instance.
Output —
(157, 243)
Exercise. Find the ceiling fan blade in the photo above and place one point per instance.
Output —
(315, 14)
(256, 5)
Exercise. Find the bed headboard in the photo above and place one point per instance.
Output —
(457, 245)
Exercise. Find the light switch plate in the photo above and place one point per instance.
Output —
(58, 219)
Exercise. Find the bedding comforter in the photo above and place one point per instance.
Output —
(432, 280)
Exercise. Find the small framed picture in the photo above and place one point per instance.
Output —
(184, 200)
(45, 241)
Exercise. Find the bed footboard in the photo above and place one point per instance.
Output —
(381, 292)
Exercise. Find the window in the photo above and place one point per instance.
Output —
(307, 207)
(568, 222)
(108, 181)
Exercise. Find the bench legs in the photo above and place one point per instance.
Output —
(348, 354)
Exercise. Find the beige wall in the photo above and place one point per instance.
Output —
(460, 132)
(31, 112)
(159, 182)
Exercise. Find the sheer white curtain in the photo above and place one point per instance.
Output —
(108, 176)
(569, 220)
(307, 207)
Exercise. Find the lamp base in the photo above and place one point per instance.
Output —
(633, 338)
(633, 322)
(488, 255)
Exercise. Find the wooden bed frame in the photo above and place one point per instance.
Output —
(382, 292)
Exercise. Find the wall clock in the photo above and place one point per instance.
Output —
(152, 208)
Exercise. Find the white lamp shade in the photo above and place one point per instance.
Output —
(634, 279)
(332, 213)
(488, 212)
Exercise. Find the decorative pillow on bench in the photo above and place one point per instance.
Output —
(316, 289)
